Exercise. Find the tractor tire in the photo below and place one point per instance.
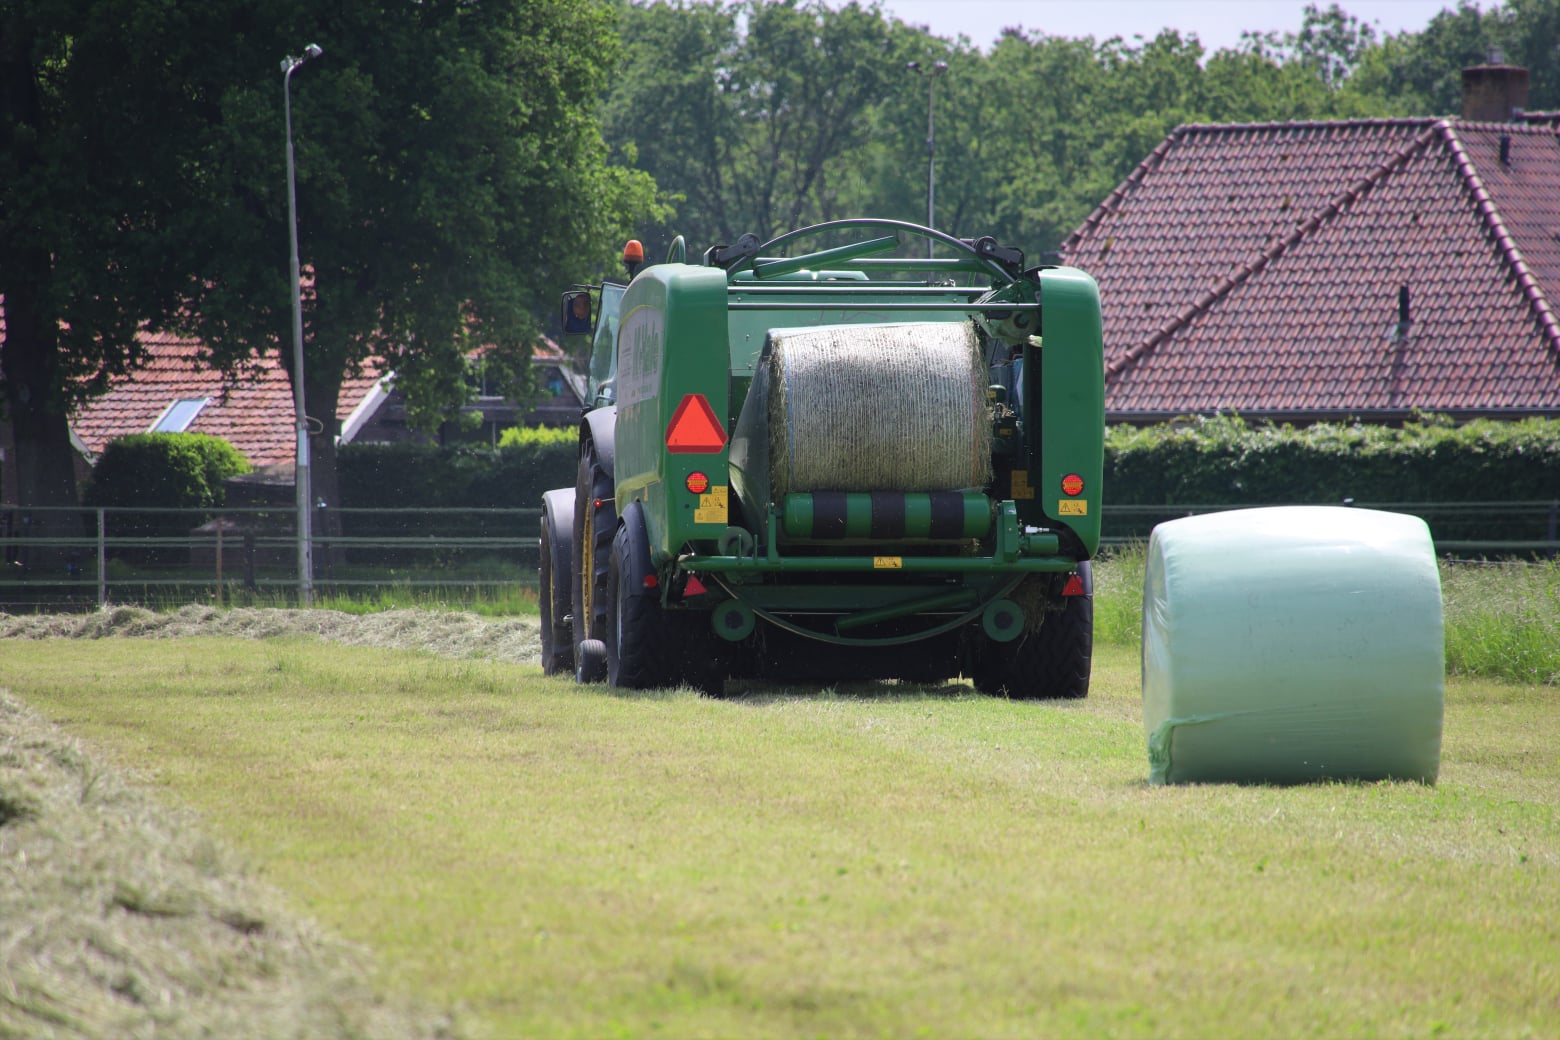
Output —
(595, 522)
(555, 587)
(644, 644)
(1052, 663)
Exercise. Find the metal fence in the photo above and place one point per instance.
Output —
(63, 558)
(74, 559)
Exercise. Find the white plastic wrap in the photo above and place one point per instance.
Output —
(1292, 644)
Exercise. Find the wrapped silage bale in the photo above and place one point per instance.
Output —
(898, 407)
(1292, 644)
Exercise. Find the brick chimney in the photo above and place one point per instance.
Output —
(1494, 93)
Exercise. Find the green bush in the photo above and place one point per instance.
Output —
(524, 436)
(161, 471)
(164, 470)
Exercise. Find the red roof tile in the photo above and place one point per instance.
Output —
(1258, 268)
(253, 412)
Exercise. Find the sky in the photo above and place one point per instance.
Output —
(1218, 23)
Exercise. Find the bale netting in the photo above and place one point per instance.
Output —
(1291, 645)
(877, 408)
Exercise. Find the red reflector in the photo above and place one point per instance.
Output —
(695, 587)
(698, 483)
(599, 502)
(651, 581)
(694, 427)
(1072, 484)
(1074, 586)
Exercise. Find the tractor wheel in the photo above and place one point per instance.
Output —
(555, 591)
(644, 645)
(595, 521)
(1051, 663)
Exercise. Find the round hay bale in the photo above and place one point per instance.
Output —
(878, 408)
(1290, 645)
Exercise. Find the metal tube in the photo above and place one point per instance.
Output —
(301, 480)
(876, 305)
(880, 564)
(102, 557)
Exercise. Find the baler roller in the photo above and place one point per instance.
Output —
(886, 515)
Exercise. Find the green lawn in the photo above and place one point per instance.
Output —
(872, 861)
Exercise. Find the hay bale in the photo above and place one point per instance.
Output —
(877, 408)
(1290, 645)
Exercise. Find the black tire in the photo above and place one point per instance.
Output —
(555, 585)
(1052, 663)
(644, 645)
(590, 661)
(593, 527)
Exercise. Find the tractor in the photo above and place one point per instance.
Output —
(861, 450)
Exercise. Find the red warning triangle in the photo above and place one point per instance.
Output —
(694, 427)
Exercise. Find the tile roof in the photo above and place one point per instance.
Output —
(1259, 268)
(253, 412)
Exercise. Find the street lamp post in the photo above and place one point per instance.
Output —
(300, 416)
(937, 69)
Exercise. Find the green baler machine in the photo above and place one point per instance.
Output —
(832, 462)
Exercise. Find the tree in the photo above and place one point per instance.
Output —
(451, 177)
(99, 110)
(451, 180)
(749, 113)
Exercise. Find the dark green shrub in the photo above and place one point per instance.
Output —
(161, 471)
(172, 470)
(512, 476)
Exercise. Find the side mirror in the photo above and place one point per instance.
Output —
(576, 313)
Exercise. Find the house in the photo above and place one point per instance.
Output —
(178, 392)
(1363, 269)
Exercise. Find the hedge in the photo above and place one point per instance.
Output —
(1224, 460)
(511, 476)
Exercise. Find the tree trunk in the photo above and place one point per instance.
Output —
(44, 461)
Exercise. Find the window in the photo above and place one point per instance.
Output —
(179, 415)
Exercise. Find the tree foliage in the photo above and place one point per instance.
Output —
(746, 113)
(451, 178)
(736, 108)
(451, 175)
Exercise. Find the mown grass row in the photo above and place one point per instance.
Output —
(1502, 618)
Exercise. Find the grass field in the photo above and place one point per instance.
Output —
(550, 860)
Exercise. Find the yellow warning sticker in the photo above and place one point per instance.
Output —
(1072, 507)
(1020, 485)
(712, 507)
(888, 563)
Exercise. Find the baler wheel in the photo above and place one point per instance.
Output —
(555, 587)
(644, 645)
(590, 661)
(1051, 663)
(593, 528)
